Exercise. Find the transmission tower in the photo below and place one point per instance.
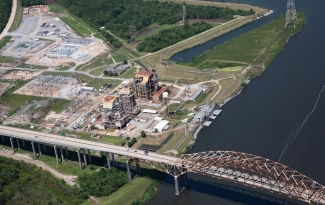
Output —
(291, 17)
(185, 20)
(133, 33)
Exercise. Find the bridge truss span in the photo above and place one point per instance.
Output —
(254, 171)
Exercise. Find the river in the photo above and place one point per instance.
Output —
(278, 116)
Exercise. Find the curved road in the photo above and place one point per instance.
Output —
(11, 19)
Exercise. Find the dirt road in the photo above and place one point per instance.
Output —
(67, 178)
(11, 19)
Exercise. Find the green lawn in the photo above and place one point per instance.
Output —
(18, 17)
(99, 82)
(120, 58)
(129, 73)
(98, 71)
(179, 134)
(5, 59)
(63, 68)
(76, 26)
(231, 69)
(4, 41)
(24, 65)
(255, 47)
(112, 139)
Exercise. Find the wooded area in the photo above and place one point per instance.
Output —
(22, 183)
(103, 182)
(171, 36)
(25, 3)
(118, 15)
(5, 10)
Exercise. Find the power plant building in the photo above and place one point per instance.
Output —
(145, 84)
(114, 115)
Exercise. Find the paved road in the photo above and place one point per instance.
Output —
(11, 19)
(79, 143)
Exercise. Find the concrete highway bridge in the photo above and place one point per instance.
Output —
(237, 167)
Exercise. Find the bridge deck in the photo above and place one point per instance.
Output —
(79, 143)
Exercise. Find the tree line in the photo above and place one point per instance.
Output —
(103, 182)
(171, 36)
(22, 183)
(25, 3)
(118, 15)
(5, 10)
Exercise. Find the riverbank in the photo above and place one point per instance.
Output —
(233, 44)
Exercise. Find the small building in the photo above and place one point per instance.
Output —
(91, 89)
(161, 126)
(157, 97)
(149, 111)
(26, 11)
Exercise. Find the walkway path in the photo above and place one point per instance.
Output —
(11, 19)
(23, 157)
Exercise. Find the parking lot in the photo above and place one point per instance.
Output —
(28, 25)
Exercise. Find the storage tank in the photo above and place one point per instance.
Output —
(165, 95)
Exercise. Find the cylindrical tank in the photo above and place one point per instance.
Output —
(165, 95)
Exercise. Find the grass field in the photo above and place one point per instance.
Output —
(256, 47)
(4, 41)
(120, 58)
(129, 73)
(98, 71)
(18, 16)
(5, 59)
(231, 69)
(112, 139)
(24, 65)
(179, 134)
(76, 26)
(98, 62)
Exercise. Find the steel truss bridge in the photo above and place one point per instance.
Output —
(241, 168)
(245, 169)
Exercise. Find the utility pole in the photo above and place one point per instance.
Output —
(133, 33)
(291, 16)
(185, 20)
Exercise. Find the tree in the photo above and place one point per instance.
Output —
(115, 74)
(92, 127)
(143, 134)
(125, 62)
(110, 73)
(123, 143)
(105, 72)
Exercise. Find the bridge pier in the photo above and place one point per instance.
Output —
(23, 143)
(89, 156)
(56, 154)
(108, 161)
(176, 185)
(44, 147)
(113, 160)
(138, 168)
(80, 163)
(39, 149)
(61, 152)
(128, 170)
(33, 149)
(18, 144)
(3, 138)
(66, 152)
(12, 145)
(85, 158)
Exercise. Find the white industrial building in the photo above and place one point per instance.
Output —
(161, 126)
